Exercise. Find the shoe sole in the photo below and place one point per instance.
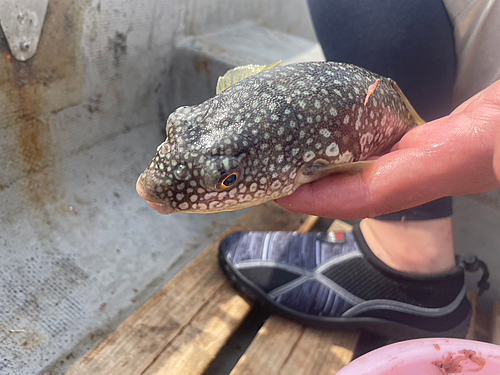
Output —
(377, 326)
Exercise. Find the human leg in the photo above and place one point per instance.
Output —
(411, 42)
(395, 275)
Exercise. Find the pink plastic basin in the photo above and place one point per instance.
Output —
(429, 357)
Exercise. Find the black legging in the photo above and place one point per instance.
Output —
(410, 41)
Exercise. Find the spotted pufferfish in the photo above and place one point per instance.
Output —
(271, 129)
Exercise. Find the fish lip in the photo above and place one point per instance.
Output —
(156, 204)
(161, 208)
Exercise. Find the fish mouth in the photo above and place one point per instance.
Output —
(145, 193)
(161, 208)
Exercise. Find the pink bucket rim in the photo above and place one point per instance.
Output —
(396, 354)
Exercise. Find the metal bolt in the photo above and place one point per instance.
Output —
(25, 45)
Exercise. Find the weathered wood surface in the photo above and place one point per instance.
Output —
(181, 328)
(287, 348)
(496, 324)
(201, 340)
(472, 297)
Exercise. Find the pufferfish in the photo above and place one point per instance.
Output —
(271, 129)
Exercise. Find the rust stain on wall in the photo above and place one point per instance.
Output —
(32, 132)
(33, 136)
(202, 66)
(50, 81)
(33, 145)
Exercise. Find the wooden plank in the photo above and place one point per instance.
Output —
(339, 225)
(321, 352)
(270, 349)
(308, 224)
(287, 348)
(180, 313)
(496, 324)
(472, 297)
(483, 331)
(191, 351)
(207, 333)
(481, 325)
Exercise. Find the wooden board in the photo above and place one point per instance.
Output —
(192, 352)
(496, 324)
(287, 348)
(321, 352)
(271, 348)
(480, 327)
(188, 320)
(472, 297)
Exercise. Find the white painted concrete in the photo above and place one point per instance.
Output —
(80, 251)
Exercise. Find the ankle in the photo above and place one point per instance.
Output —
(423, 247)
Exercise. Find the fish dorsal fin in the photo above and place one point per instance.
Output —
(239, 74)
(418, 120)
(312, 172)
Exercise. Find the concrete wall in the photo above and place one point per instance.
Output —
(80, 251)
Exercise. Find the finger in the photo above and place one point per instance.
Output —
(423, 135)
(377, 190)
(399, 180)
(449, 156)
(496, 157)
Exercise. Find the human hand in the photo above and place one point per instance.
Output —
(456, 155)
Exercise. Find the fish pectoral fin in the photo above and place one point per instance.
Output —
(312, 172)
(415, 116)
(239, 73)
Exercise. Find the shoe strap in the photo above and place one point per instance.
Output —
(472, 263)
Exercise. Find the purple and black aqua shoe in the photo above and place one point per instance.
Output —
(334, 280)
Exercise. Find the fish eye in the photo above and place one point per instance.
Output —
(181, 172)
(228, 181)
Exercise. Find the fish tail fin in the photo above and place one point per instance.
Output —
(413, 113)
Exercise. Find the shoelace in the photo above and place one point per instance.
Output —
(472, 263)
